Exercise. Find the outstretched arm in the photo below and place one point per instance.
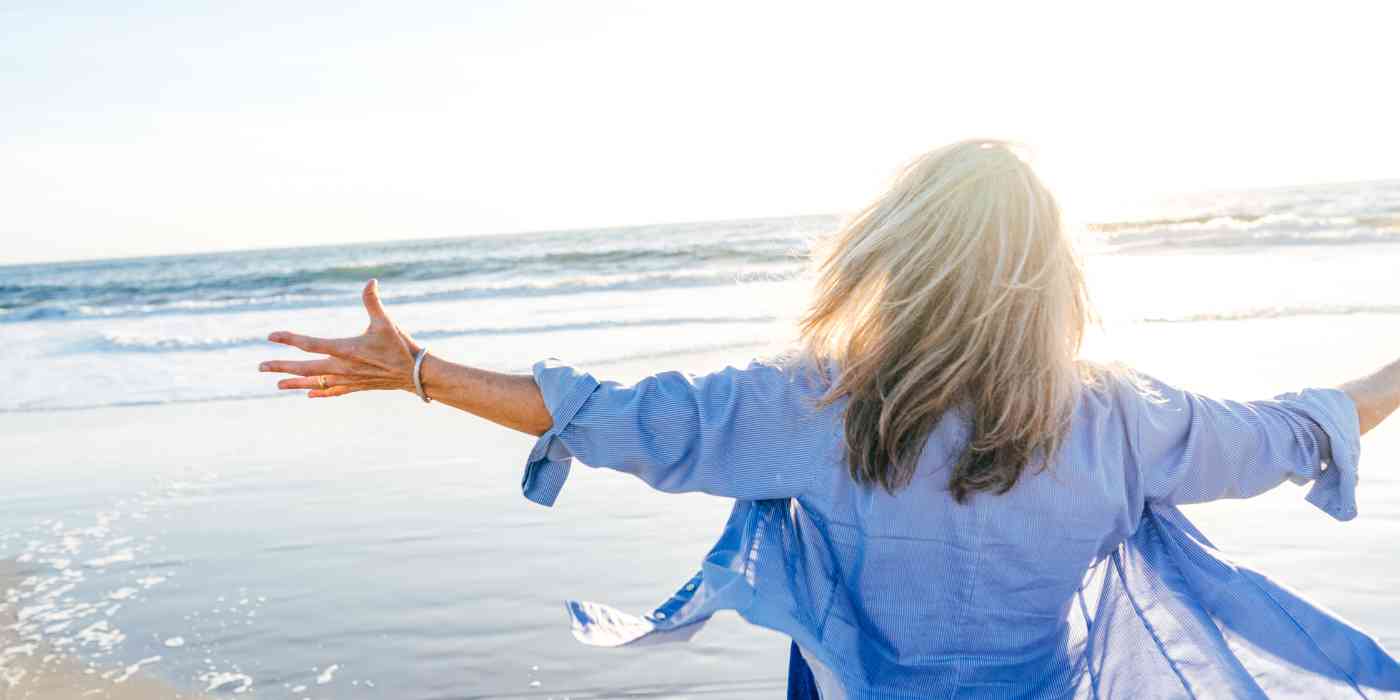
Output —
(382, 358)
(1187, 447)
(1190, 448)
(735, 433)
(1376, 396)
(512, 400)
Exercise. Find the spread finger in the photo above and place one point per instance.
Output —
(332, 391)
(315, 381)
(322, 346)
(302, 367)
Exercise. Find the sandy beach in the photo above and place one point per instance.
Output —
(380, 548)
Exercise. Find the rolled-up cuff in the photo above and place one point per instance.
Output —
(565, 390)
(1334, 488)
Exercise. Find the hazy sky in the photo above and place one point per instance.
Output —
(160, 127)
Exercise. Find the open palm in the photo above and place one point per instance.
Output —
(379, 358)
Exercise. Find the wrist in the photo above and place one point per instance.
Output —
(418, 382)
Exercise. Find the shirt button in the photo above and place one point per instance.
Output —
(660, 615)
(690, 586)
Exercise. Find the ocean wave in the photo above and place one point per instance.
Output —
(130, 343)
(1313, 233)
(1387, 223)
(603, 283)
(120, 342)
(258, 279)
(137, 343)
(1264, 313)
(1172, 223)
(1249, 229)
(635, 259)
(564, 285)
(749, 338)
(640, 258)
(61, 408)
(38, 407)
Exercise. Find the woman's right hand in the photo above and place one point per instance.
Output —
(380, 358)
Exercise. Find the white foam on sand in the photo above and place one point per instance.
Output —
(327, 675)
(122, 593)
(53, 663)
(129, 671)
(102, 635)
(226, 681)
(124, 555)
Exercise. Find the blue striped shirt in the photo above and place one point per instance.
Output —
(1082, 581)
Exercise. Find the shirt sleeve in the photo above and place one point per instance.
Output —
(1190, 448)
(740, 433)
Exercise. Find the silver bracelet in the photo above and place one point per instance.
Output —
(418, 375)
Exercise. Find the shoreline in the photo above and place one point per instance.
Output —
(32, 669)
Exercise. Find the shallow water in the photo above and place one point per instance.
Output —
(372, 547)
(345, 568)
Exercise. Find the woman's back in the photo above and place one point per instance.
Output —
(910, 593)
(966, 593)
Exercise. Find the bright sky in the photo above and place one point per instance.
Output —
(160, 128)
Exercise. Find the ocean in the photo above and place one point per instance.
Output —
(186, 328)
(170, 514)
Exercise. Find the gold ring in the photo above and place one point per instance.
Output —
(323, 381)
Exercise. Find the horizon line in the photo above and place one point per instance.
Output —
(618, 227)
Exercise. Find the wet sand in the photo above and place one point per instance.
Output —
(33, 670)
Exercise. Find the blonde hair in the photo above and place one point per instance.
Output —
(959, 289)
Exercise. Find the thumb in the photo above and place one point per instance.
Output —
(372, 303)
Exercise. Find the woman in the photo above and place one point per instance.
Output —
(935, 496)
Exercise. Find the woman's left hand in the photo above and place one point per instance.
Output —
(380, 358)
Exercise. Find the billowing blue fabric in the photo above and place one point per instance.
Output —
(1083, 581)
